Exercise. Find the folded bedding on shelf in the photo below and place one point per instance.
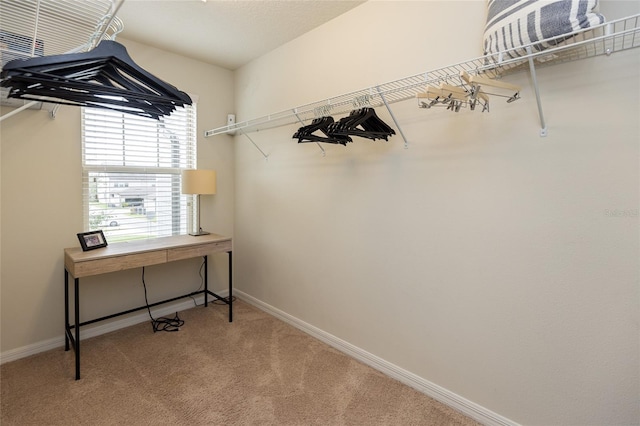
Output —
(512, 24)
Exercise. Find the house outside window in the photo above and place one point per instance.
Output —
(132, 172)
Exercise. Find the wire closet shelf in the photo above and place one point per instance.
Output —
(604, 39)
(32, 28)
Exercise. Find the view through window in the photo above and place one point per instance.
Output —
(131, 172)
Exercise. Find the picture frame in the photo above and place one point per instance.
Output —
(92, 240)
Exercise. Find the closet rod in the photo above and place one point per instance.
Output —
(612, 36)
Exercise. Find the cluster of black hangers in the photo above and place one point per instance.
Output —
(105, 77)
(363, 122)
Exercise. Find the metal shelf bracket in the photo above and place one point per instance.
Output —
(393, 117)
(266, 157)
(532, 69)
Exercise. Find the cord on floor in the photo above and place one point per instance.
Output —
(162, 323)
(223, 301)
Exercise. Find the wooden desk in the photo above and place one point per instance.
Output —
(136, 254)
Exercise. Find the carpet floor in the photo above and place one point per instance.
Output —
(257, 370)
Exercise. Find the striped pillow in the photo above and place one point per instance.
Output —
(515, 23)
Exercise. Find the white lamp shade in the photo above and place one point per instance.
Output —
(198, 181)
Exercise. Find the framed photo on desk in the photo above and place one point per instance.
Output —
(92, 240)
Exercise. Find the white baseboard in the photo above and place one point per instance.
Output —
(107, 327)
(470, 409)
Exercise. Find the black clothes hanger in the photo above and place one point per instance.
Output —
(105, 77)
(305, 133)
(363, 122)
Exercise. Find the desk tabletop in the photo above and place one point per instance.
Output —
(124, 255)
(75, 254)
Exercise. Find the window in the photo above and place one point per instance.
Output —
(131, 172)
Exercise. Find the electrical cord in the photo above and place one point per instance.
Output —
(174, 324)
(195, 303)
(162, 323)
(222, 301)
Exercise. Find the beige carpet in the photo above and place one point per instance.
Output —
(254, 371)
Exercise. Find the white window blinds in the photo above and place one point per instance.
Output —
(131, 172)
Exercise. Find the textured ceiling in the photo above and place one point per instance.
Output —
(226, 33)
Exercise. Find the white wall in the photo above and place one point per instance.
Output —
(484, 258)
(42, 208)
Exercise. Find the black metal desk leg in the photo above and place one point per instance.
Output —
(206, 280)
(77, 327)
(66, 309)
(230, 288)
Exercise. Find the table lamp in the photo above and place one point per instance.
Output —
(198, 182)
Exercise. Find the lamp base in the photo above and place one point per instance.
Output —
(200, 232)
